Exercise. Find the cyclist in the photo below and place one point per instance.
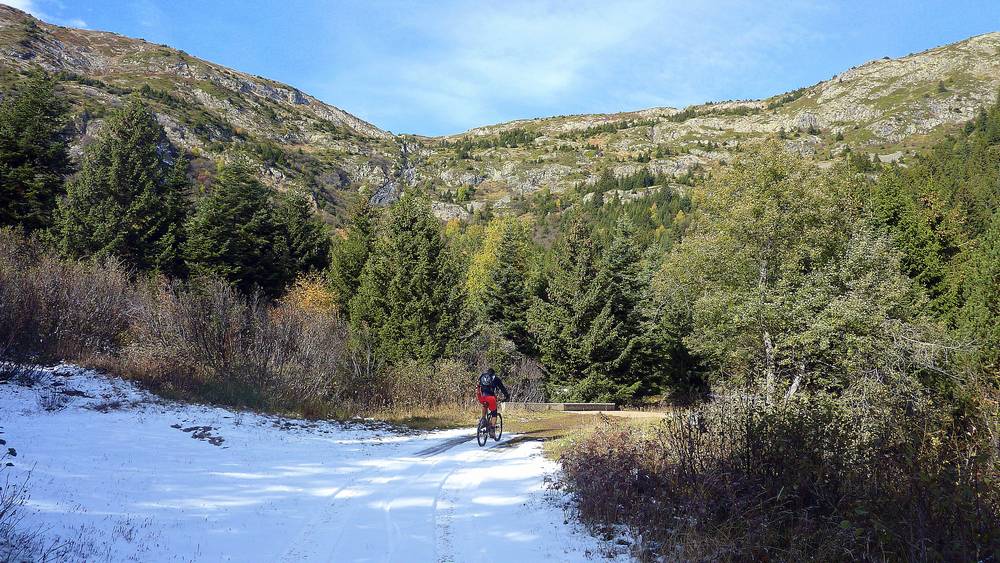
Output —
(486, 393)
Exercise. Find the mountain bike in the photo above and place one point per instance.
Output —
(484, 427)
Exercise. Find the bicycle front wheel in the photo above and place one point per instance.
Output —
(498, 428)
(482, 432)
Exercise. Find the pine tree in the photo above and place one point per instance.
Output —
(410, 298)
(561, 319)
(308, 240)
(33, 156)
(980, 315)
(350, 253)
(505, 293)
(590, 325)
(897, 211)
(176, 206)
(120, 203)
(616, 338)
(938, 208)
(233, 235)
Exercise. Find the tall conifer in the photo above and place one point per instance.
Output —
(33, 157)
(351, 252)
(410, 297)
(505, 296)
(233, 234)
(119, 204)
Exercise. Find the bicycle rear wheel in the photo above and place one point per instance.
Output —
(482, 432)
(498, 428)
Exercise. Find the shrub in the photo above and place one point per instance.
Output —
(522, 375)
(17, 541)
(209, 338)
(415, 385)
(51, 310)
(311, 293)
(877, 473)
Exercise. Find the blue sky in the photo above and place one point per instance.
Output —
(436, 67)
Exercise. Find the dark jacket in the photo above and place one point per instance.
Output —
(490, 389)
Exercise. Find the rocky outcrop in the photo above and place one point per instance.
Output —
(449, 211)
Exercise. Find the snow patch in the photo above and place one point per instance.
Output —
(121, 474)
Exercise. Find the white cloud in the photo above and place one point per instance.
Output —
(23, 5)
(470, 63)
(31, 6)
(473, 58)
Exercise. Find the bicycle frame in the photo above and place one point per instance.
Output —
(487, 425)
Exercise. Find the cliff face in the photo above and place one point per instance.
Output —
(890, 107)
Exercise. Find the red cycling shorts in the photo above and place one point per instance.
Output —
(489, 401)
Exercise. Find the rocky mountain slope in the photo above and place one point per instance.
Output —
(203, 107)
(888, 107)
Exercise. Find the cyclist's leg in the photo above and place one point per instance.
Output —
(491, 403)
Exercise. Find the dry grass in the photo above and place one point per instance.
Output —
(556, 429)
(19, 542)
(52, 309)
(873, 475)
(442, 417)
(539, 425)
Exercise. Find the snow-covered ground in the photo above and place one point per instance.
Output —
(122, 475)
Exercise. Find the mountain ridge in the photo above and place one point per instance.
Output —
(667, 110)
(94, 57)
(203, 107)
(888, 107)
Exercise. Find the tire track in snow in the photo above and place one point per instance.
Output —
(393, 530)
(397, 534)
(308, 543)
(384, 495)
(444, 446)
(442, 529)
(305, 543)
(443, 547)
(355, 504)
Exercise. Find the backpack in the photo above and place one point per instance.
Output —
(485, 381)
